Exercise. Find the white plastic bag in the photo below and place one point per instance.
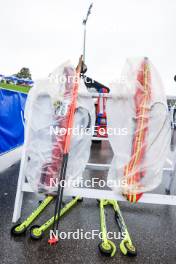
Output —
(46, 113)
(139, 117)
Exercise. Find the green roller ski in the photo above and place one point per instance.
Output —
(20, 228)
(126, 245)
(36, 231)
(106, 247)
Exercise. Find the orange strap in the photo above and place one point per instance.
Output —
(72, 113)
(142, 99)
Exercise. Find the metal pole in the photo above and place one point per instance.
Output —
(84, 24)
(84, 44)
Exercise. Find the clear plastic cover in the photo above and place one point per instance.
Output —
(138, 115)
(46, 115)
(80, 145)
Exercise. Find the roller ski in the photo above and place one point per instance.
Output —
(107, 247)
(126, 245)
(36, 231)
(20, 228)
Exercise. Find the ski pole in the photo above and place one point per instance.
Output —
(85, 23)
(54, 238)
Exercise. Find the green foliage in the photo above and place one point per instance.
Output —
(24, 73)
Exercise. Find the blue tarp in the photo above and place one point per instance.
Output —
(11, 119)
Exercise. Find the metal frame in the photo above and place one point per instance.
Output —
(147, 198)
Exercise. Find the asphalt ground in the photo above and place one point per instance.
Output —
(152, 227)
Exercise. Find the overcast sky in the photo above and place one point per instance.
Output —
(41, 34)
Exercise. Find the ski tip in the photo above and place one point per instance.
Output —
(133, 198)
(53, 241)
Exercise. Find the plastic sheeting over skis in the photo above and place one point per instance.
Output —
(138, 117)
(46, 114)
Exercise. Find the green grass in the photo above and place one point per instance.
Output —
(13, 87)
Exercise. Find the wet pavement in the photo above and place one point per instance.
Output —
(152, 227)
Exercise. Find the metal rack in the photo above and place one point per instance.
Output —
(148, 198)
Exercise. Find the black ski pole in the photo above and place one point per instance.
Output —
(54, 238)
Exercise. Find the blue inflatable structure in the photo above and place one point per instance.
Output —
(12, 105)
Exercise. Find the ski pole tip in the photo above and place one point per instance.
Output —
(53, 241)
